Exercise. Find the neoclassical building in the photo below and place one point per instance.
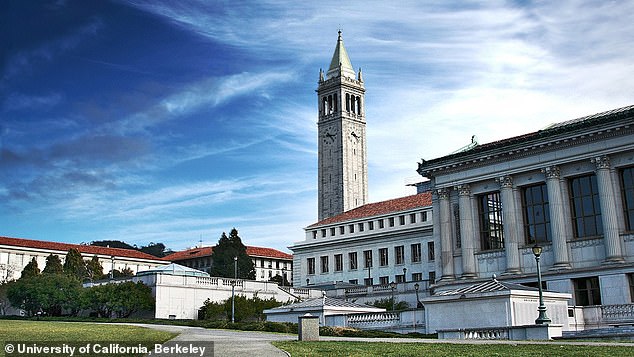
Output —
(568, 188)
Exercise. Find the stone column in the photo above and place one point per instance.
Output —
(557, 224)
(612, 241)
(466, 232)
(511, 244)
(446, 244)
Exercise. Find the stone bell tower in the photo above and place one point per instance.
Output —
(343, 163)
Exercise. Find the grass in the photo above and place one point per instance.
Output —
(353, 349)
(78, 334)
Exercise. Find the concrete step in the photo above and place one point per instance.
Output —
(621, 332)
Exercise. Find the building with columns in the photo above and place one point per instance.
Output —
(568, 188)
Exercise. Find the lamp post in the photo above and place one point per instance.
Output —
(393, 286)
(233, 289)
(542, 319)
(418, 303)
(111, 267)
(404, 275)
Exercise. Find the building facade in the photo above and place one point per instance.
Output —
(568, 188)
(268, 262)
(16, 253)
(375, 244)
(342, 166)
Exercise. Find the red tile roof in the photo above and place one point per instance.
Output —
(85, 249)
(379, 208)
(206, 252)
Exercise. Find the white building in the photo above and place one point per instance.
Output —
(268, 262)
(16, 253)
(568, 188)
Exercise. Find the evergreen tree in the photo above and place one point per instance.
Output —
(94, 269)
(53, 265)
(74, 265)
(30, 270)
(223, 256)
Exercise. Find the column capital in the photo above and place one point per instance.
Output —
(551, 172)
(443, 193)
(463, 190)
(602, 162)
(505, 181)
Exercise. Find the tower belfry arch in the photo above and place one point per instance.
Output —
(342, 146)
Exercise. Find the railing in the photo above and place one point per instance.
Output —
(622, 312)
(487, 334)
(374, 318)
(206, 281)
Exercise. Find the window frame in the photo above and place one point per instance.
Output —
(582, 220)
(399, 255)
(491, 222)
(530, 207)
(384, 257)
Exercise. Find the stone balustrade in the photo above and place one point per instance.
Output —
(617, 313)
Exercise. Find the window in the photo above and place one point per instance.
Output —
(338, 262)
(368, 281)
(361, 228)
(324, 264)
(371, 225)
(367, 258)
(412, 218)
(416, 253)
(423, 216)
(431, 253)
(587, 291)
(262, 263)
(432, 277)
(323, 232)
(332, 231)
(400, 278)
(399, 253)
(352, 257)
(630, 279)
(391, 220)
(314, 234)
(417, 276)
(381, 224)
(586, 212)
(277, 265)
(351, 228)
(310, 262)
(536, 214)
(383, 257)
(491, 226)
(342, 230)
(353, 281)
(384, 280)
(401, 220)
(627, 182)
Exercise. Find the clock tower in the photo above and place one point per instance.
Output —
(343, 174)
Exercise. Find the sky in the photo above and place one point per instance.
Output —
(174, 121)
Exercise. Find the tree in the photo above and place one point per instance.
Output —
(118, 299)
(113, 244)
(94, 269)
(31, 269)
(155, 249)
(50, 294)
(280, 280)
(53, 265)
(223, 255)
(74, 265)
(245, 309)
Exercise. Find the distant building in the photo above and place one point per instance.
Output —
(16, 253)
(268, 262)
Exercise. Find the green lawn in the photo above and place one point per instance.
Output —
(77, 334)
(352, 349)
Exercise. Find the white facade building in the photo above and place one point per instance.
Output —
(16, 253)
(568, 188)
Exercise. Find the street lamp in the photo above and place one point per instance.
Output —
(393, 286)
(111, 267)
(404, 275)
(418, 303)
(542, 319)
(233, 289)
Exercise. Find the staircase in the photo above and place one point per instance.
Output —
(606, 333)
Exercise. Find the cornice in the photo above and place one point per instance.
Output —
(529, 148)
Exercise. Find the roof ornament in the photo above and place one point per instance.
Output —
(321, 75)
(359, 77)
(471, 145)
(495, 278)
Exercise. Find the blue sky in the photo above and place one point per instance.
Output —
(173, 121)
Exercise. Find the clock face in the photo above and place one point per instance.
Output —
(330, 134)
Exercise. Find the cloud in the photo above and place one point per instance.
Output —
(19, 101)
